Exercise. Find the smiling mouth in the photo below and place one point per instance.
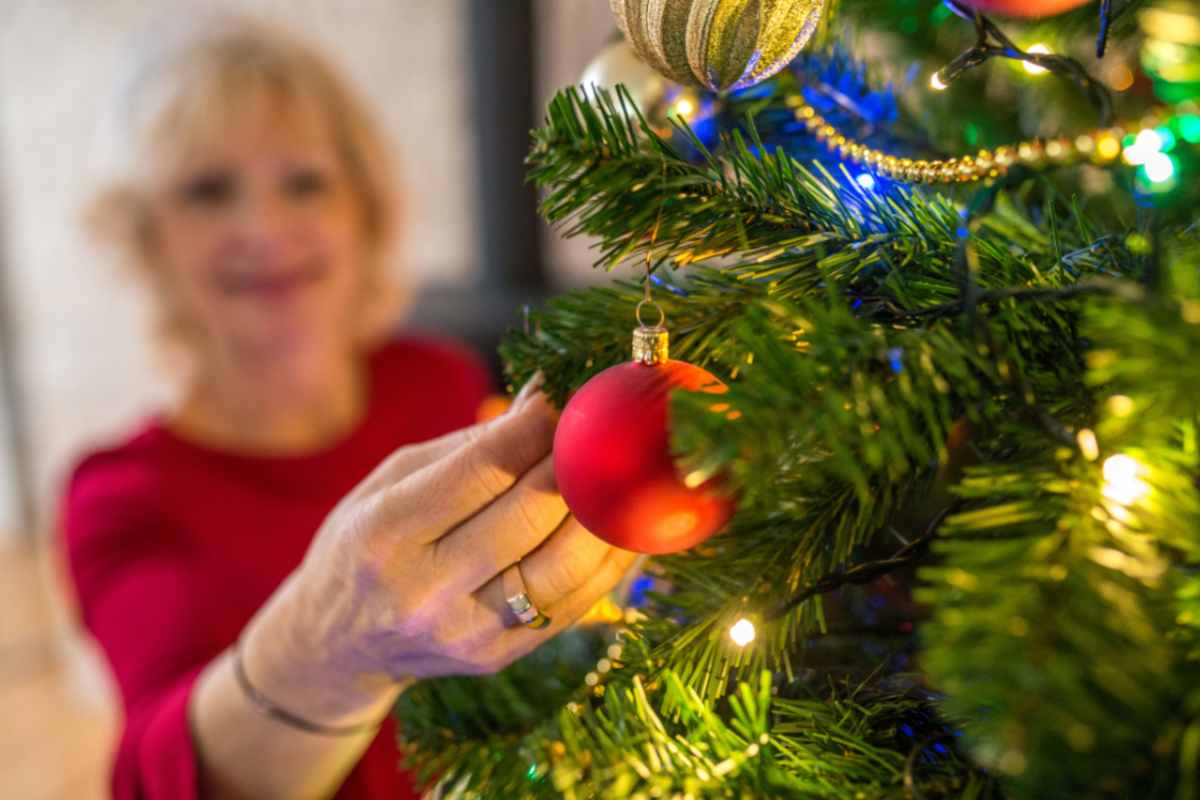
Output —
(272, 285)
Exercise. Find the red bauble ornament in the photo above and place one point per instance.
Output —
(613, 463)
(1025, 8)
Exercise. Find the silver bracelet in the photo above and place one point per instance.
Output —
(275, 711)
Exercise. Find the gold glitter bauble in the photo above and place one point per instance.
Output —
(718, 44)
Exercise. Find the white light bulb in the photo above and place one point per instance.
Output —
(1145, 145)
(1121, 468)
(1122, 480)
(1088, 446)
(1030, 67)
(1159, 167)
(1149, 139)
(742, 632)
(936, 83)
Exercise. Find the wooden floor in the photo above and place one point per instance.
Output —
(56, 723)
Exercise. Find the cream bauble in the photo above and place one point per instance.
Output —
(618, 64)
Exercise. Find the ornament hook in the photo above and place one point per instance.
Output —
(651, 343)
(662, 315)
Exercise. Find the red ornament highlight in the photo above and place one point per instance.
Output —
(613, 462)
(1026, 9)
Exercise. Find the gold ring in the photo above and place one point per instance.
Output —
(518, 600)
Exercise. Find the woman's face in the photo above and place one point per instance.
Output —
(258, 235)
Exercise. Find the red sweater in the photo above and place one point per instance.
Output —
(173, 546)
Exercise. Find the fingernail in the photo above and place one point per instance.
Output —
(538, 404)
(529, 389)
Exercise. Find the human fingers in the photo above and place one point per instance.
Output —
(604, 578)
(562, 564)
(410, 458)
(504, 532)
(520, 640)
(490, 642)
(488, 462)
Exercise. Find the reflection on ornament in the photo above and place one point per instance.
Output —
(718, 44)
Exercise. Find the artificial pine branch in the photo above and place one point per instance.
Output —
(839, 318)
(1065, 597)
(643, 739)
(1048, 637)
(864, 572)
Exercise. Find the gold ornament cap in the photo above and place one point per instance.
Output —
(651, 344)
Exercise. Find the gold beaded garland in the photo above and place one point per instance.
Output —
(1100, 147)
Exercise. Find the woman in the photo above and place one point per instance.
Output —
(271, 562)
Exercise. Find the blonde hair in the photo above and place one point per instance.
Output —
(190, 79)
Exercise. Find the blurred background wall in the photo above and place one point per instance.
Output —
(457, 85)
(82, 361)
(10, 510)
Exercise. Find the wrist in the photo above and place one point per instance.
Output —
(310, 674)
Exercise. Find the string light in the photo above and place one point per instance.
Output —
(1120, 405)
(1120, 78)
(1189, 127)
(1159, 168)
(1122, 480)
(936, 83)
(1144, 145)
(1086, 438)
(1108, 146)
(684, 107)
(742, 632)
(1034, 69)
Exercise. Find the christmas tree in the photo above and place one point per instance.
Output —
(960, 424)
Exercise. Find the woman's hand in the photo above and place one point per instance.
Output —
(403, 580)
